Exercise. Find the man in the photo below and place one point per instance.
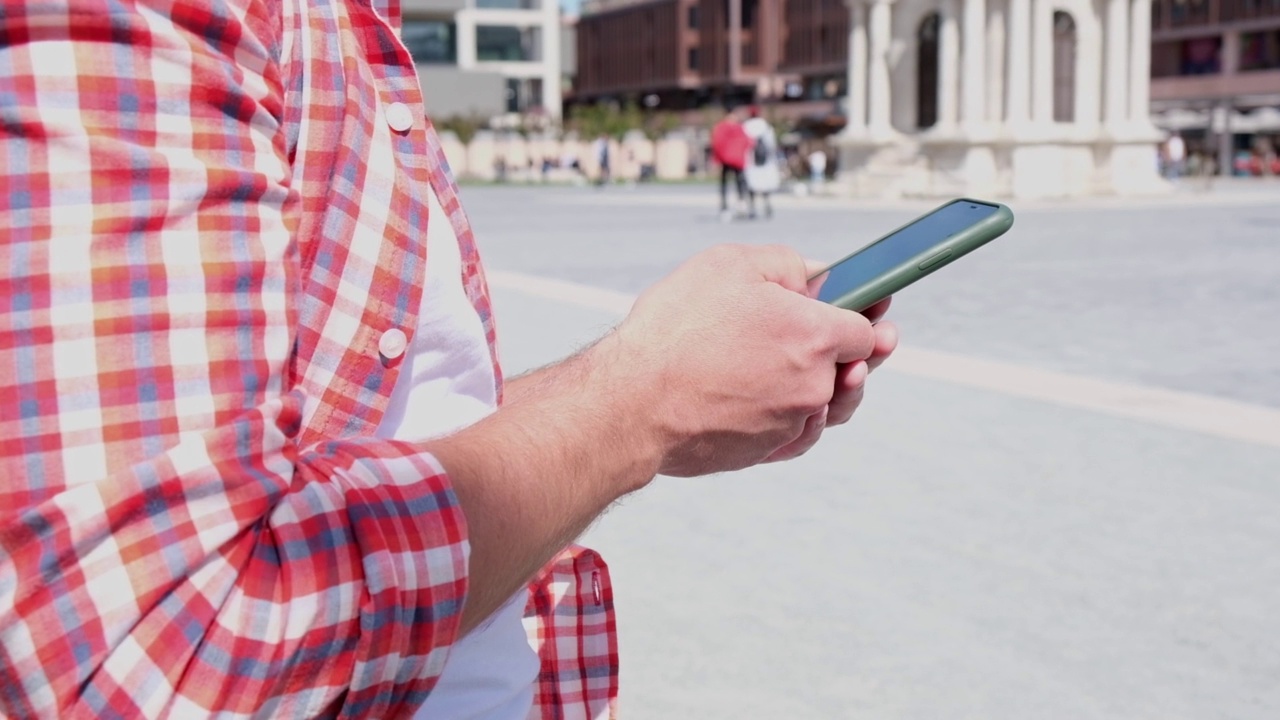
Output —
(762, 174)
(251, 456)
(729, 146)
(817, 168)
(1176, 153)
(601, 149)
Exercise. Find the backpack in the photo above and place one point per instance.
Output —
(760, 155)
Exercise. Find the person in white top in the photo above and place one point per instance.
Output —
(763, 175)
(1175, 152)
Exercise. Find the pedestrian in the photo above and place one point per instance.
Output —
(259, 458)
(817, 168)
(1176, 153)
(763, 177)
(601, 150)
(729, 146)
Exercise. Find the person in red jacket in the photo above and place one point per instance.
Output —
(729, 147)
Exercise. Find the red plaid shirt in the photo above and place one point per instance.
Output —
(211, 211)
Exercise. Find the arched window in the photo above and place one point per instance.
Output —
(927, 71)
(1064, 67)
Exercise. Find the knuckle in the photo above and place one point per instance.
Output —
(726, 255)
(813, 398)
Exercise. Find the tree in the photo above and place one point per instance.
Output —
(464, 126)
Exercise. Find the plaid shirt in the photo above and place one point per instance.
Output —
(211, 213)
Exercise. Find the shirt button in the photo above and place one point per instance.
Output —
(399, 117)
(392, 343)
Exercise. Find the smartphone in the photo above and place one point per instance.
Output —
(911, 252)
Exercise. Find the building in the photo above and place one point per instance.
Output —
(568, 53)
(486, 57)
(682, 54)
(1215, 67)
(1007, 98)
(1215, 64)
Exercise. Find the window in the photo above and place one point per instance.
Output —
(430, 42)
(1260, 50)
(1202, 55)
(693, 58)
(1064, 67)
(507, 43)
(927, 72)
(523, 95)
(750, 9)
(693, 17)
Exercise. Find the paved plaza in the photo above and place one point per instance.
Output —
(1061, 501)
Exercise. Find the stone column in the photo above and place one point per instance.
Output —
(997, 41)
(1140, 63)
(878, 97)
(974, 76)
(857, 83)
(948, 65)
(1018, 30)
(1042, 62)
(1115, 73)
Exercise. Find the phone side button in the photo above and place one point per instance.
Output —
(933, 261)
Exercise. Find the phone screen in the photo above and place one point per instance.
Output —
(891, 251)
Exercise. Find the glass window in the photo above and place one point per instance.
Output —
(1260, 50)
(506, 43)
(1202, 56)
(693, 17)
(693, 58)
(430, 42)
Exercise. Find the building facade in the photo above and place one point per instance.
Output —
(1007, 98)
(1215, 67)
(683, 54)
(1065, 84)
(486, 57)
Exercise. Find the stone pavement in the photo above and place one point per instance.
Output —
(1088, 530)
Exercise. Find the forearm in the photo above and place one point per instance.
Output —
(533, 476)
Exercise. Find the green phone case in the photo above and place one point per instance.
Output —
(929, 261)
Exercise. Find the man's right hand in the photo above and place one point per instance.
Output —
(729, 360)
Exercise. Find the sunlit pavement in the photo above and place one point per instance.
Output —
(1062, 502)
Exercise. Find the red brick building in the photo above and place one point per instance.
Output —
(685, 54)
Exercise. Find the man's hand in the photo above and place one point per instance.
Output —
(726, 363)
(738, 364)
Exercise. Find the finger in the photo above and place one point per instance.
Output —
(886, 342)
(782, 265)
(851, 382)
(813, 267)
(813, 427)
(851, 336)
(877, 311)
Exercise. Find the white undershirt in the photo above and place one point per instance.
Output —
(447, 383)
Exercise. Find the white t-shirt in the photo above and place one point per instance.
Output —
(447, 383)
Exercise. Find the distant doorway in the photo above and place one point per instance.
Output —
(927, 71)
(1064, 67)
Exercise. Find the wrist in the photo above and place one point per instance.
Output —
(624, 395)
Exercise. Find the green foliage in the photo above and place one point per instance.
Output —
(464, 126)
(660, 124)
(591, 121)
